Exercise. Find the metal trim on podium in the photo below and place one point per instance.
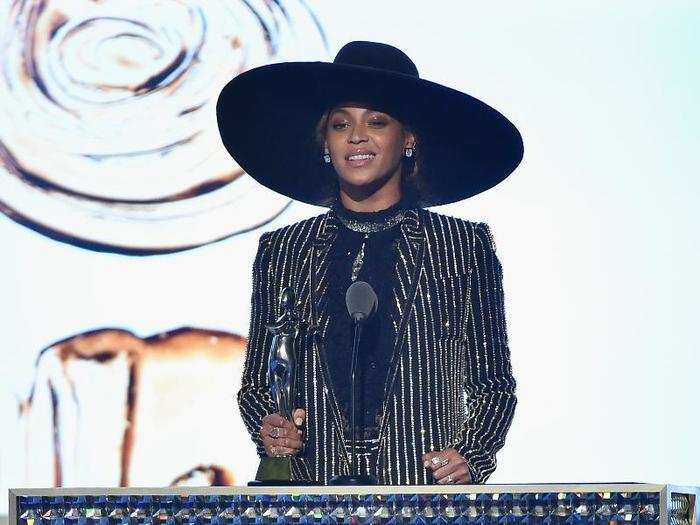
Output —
(677, 505)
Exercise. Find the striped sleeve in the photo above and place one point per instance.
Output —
(488, 382)
(254, 398)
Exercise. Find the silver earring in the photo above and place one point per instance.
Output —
(408, 152)
(327, 157)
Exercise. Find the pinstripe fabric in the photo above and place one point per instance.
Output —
(450, 382)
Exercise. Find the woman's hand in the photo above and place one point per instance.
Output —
(280, 436)
(447, 466)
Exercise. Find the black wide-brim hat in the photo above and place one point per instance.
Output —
(267, 119)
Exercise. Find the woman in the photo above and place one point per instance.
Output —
(368, 138)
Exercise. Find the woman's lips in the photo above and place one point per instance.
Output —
(358, 160)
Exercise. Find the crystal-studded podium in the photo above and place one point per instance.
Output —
(566, 504)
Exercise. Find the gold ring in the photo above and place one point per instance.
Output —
(449, 478)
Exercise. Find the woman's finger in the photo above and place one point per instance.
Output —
(459, 475)
(299, 416)
(277, 420)
(439, 459)
(279, 432)
(274, 420)
(265, 430)
(451, 468)
(428, 458)
(277, 451)
(296, 444)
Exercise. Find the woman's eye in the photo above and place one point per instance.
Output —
(339, 125)
(377, 123)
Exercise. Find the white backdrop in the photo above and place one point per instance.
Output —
(596, 231)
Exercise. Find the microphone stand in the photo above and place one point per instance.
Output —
(355, 478)
(353, 369)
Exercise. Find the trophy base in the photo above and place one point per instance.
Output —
(359, 479)
(277, 472)
(274, 470)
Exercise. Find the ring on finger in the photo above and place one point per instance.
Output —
(449, 478)
(275, 432)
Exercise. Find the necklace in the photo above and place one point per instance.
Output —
(372, 221)
(370, 226)
(359, 259)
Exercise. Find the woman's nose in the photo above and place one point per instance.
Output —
(358, 134)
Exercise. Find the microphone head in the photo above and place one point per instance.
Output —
(360, 300)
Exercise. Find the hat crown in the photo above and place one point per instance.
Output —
(376, 55)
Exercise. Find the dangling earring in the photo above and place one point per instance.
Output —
(327, 156)
(408, 152)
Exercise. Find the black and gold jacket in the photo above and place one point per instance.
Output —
(449, 383)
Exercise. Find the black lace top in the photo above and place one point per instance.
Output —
(379, 233)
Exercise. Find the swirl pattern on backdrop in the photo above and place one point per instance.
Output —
(108, 136)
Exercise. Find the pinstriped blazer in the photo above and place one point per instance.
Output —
(450, 382)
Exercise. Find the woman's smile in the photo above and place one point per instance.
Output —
(360, 158)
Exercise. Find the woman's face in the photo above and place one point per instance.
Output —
(366, 147)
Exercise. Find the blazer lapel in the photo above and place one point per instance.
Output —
(320, 316)
(410, 252)
(319, 273)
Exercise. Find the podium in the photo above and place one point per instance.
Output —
(541, 504)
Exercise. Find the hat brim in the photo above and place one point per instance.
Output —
(267, 118)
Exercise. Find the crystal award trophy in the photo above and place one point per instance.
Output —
(280, 376)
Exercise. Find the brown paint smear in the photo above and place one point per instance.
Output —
(103, 346)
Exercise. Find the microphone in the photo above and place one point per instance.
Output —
(361, 301)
